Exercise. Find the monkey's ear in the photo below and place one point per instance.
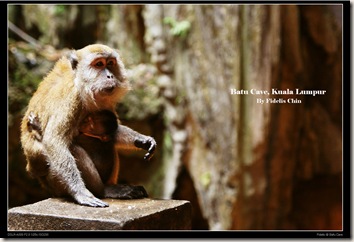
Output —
(73, 59)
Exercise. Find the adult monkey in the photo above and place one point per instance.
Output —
(87, 81)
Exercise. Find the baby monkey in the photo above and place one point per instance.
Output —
(97, 134)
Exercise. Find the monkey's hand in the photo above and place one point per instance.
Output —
(147, 143)
(88, 199)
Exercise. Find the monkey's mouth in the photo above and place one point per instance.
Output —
(108, 89)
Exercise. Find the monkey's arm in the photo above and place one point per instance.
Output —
(65, 175)
(127, 138)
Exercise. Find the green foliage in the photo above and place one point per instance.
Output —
(24, 76)
(180, 28)
(60, 10)
(205, 179)
(21, 87)
(167, 143)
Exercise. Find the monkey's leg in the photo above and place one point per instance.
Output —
(88, 171)
(113, 179)
(112, 190)
(37, 166)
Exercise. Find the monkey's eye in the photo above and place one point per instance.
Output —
(99, 63)
(111, 62)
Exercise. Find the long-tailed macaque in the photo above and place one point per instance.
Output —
(81, 91)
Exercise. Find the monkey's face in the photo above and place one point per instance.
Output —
(100, 75)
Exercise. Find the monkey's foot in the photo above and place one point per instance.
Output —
(125, 192)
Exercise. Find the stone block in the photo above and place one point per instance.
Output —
(141, 214)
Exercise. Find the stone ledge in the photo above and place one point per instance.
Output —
(141, 214)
